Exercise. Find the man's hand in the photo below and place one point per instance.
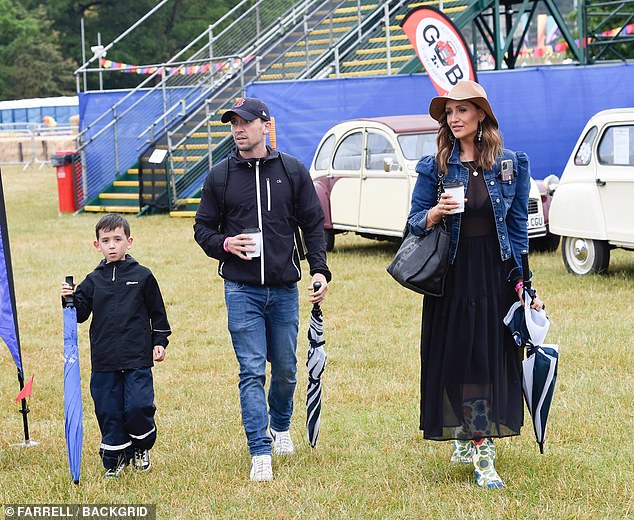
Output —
(239, 245)
(159, 353)
(320, 295)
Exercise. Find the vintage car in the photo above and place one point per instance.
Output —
(592, 206)
(364, 174)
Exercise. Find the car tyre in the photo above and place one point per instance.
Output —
(329, 237)
(585, 256)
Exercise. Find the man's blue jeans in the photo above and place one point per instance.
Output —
(263, 322)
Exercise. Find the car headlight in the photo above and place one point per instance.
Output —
(550, 183)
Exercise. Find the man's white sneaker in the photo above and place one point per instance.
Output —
(261, 468)
(283, 442)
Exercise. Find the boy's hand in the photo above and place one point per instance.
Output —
(67, 290)
(159, 353)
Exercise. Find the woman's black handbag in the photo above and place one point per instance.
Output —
(420, 264)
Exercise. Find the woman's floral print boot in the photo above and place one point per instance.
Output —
(462, 452)
(484, 462)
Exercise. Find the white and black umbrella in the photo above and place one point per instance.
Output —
(316, 363)
(539, 374)
(539, 370)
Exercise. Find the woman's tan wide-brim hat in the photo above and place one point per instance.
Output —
(465, 90)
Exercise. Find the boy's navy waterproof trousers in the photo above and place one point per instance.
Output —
(124, 405)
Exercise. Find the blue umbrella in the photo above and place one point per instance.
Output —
(73, 409)
(316, 363)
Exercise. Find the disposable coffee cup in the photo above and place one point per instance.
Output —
(456, 190)
(256, 234)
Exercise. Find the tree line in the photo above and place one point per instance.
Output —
(40, 40)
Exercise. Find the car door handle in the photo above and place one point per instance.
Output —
(600, 182)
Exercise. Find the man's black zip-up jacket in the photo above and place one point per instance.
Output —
(128, 315)
(272, 212)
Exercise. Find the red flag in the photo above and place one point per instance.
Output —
(26, 391)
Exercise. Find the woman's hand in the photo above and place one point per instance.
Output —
(536, 304)
(446, 206)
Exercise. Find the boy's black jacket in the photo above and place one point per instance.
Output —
(128, 315)
(278, 205)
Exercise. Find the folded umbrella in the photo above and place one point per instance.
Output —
(539, 370)
(73, 409)
(316, 363)
(538, 381)
(527, 325)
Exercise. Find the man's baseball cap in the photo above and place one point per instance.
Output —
(248, 109)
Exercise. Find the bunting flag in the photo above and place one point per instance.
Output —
(26, 391)
(8, 315)
(226, 66)
(439, 46)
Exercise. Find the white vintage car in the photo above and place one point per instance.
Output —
(364, 174)
(593, 204)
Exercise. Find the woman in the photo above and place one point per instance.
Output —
(470, 367)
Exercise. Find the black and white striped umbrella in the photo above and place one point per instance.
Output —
(316, 363)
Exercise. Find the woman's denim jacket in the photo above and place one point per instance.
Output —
(509, 200)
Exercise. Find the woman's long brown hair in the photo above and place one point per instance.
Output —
(487, 151)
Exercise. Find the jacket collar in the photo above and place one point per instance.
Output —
(241, 161)
(455, 153)
(128, 261)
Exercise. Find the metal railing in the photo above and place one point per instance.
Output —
(31, 143)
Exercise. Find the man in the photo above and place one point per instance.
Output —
(248, 214)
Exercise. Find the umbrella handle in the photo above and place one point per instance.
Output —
(316, 287)
(69, 301)
(526, 273)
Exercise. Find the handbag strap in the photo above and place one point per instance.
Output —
(439, 186)
(443, 222)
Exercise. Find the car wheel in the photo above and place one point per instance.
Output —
(549, 243)
(585, 256)
(329, 236)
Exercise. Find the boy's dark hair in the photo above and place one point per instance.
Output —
(110, 222)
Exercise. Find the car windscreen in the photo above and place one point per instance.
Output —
(414, 146)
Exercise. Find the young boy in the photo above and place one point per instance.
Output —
(129, 326)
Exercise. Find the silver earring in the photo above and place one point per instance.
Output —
(479, 131)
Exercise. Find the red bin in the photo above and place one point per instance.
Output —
(68, 180)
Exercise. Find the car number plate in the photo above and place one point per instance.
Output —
(534, 222)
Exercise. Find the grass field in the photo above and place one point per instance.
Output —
(371, 460)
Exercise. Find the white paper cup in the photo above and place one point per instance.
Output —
(456, 190)
(256, 235)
